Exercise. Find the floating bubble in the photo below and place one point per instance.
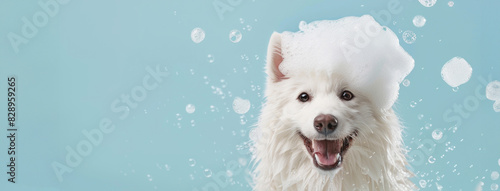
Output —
(406, 82)
(437, 134)
(167, 167)
(420, 116)
(208, 173)
(210, 58)
(451, 3)
(229, 173)
(197, 35)
(190, 108)
(493, 90)
(302, 25)
(413, 104)
(431, 160)
(422, 183)
(192, 162)
(235, 36)
(494, 186)
(455, 89)
(409, 37)
(439, 187)
(427, 3)
(428, 125)
(241, 106)
(242, 161)
(494, 175)
(496, 106)
(178, 116)
(419, 21)
(456, 72)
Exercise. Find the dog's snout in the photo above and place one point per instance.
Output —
(325, 124)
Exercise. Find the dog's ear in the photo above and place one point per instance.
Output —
(274, 58)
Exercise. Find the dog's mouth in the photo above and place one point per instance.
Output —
(327, 154)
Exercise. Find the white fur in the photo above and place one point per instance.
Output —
(376, 157)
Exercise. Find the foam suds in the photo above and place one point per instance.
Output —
(365, 53)
(456, 72)
(493, 90)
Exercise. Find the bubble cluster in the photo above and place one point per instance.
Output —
(235, 36)
(419, 21)
(456, 72)
(197, 35)
(409, 37)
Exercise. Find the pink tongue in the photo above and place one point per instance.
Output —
(327, 151)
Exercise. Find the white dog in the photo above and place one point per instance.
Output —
(327, 123)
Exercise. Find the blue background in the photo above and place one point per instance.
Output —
(91, 52)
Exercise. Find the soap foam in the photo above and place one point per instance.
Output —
(367, 54)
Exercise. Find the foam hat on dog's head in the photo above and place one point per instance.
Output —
(365, 53)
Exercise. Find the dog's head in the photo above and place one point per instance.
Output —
(325, 110)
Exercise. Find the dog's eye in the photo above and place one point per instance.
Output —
(303, 97)
(347, 95)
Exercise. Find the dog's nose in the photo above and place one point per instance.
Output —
(325, 124)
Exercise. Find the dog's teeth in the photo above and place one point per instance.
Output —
(316, 157)
(338, 156)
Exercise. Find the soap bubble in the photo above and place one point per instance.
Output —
(431, 159)
(207, 172)
(192, 162)
(302, 25)
(190, 108)
(494, 186)
(437, 134)
(427, 3)
(493, 90)
(422, 183)
(496, 106)
(413, 104)
(420, 116)
(241, 106)
(235, 36)
(197, 35)
(456, 72)
(451, 3)
(210, 58)
(409, 37)
(419, 21)
(494, 175)
(406, 82)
